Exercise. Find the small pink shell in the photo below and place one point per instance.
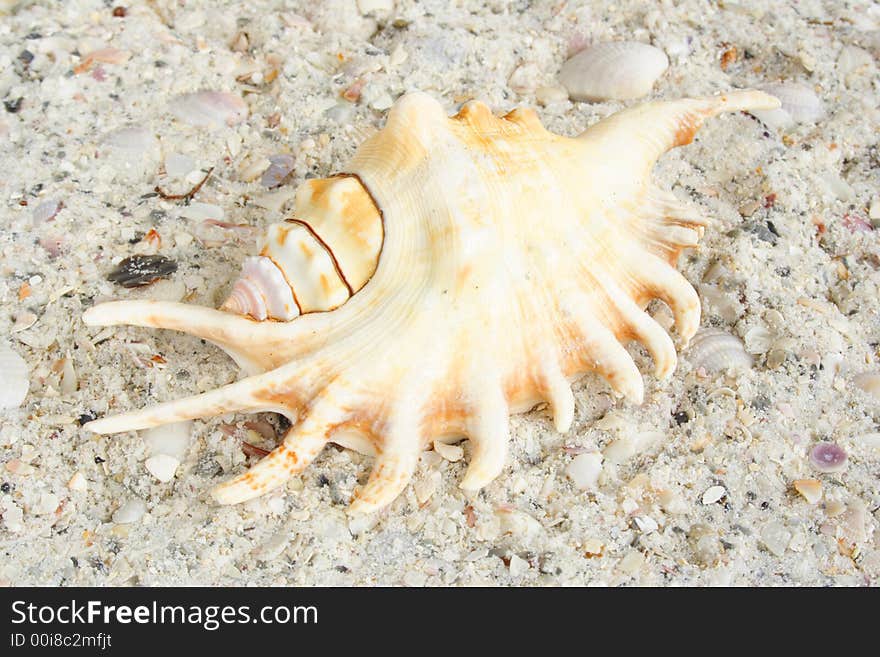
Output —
(262, 292)
(828, 457)
(856, 224)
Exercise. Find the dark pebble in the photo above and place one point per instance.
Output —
(681, 418)
(12, 106)
(86, 417)
(5, 487)
(99, 460)
(119, 12)
(139, 270)
(25, 57)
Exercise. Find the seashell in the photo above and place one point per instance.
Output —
(853, 61)
(584, 470)
(615, 70)
(870, 440)
(15, 382)
(810, 489)
(718, 351)
(162, 467)
(451, 453)
(713, 494)
(169, 439)
(46, 211)
(828, 457)
(178, 165)
(280, 167)
(209, 109)
(139, 270)
(459, 269)
(800, 104)
(131, 511)
(869, 382)
(758, 340)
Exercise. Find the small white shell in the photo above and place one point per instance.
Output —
(615, 70)
(133, 140)
(131, 511)
(169, 439)
(713, 494)
(717, 351)
(584, 470)
(800, 104)
(162, 467)
(46, 210)
(758, 340)
(853, 60)
(869, 382)
(14, 379)
(869, 440)
(131, 152)
(209, 109)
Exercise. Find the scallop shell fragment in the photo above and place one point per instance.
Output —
(616, 70)
(715, 350)
(800, 104)
(14, 380)
(209, 109)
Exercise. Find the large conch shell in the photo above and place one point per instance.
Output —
(512, 261)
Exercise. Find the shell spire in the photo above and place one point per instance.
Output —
(469, 267)
(316, 260)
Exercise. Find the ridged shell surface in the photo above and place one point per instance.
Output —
(718, 351)
(616, 70)
(800, 104)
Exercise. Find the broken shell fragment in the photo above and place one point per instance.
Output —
(810, 489)
(14, 379)
(616, 70)
(451, 453)
(869, 382)
(584, 470)
(209, 109)
(162, 467)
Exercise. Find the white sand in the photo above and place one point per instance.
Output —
(808, 303)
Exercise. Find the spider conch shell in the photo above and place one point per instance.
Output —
(512, 261)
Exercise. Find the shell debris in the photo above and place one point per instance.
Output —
(713, 494)
(584, 470)
(209, 109)
(869, 382)
(15, 377)
(810, 489)
(451, 453)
